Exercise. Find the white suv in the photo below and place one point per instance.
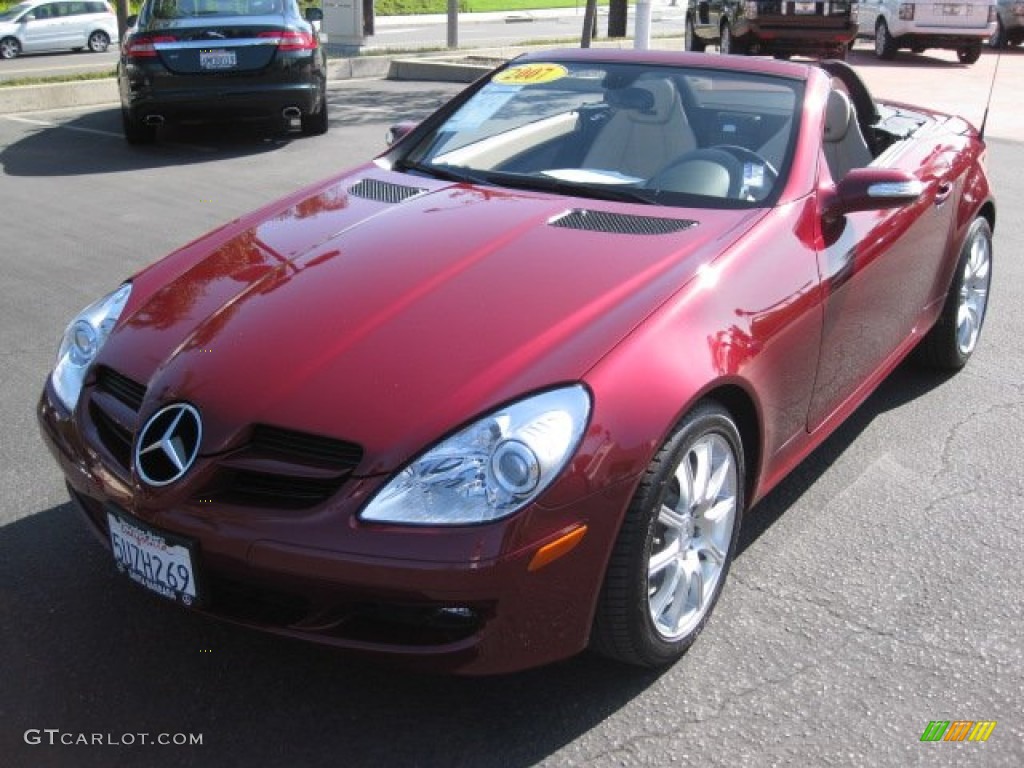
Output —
(54, 25)
(960, 25)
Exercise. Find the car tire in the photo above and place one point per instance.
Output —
(136, 132)
(729, 45)
(969, 53)
(99, 41)
(998, 40)
(691, 42)
(10, 48)
(315, 124)
(954, 337)
(675, 544)
(885, 45)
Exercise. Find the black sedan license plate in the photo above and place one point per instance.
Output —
(217, 59)
(159, 561)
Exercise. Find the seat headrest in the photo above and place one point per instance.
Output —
(838, 114)
(653, 101)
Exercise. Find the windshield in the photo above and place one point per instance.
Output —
(12, 13)
(177, 9)
(643, 133)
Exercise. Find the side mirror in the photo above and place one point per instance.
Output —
(314, 14)
(399, 131)
(872, 189)
(130, 21)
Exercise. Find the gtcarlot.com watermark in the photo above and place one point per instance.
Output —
(56, 737)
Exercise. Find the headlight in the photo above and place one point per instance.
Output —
(82, 341)
(490, 469)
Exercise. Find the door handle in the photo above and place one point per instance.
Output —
(942, 192)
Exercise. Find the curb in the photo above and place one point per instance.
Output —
(32, 98)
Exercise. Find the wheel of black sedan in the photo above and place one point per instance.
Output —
(674, 549)
(951, 342)
(99, 41)
(885, 45)
(136, 132)
(316, 123)
(691, 42)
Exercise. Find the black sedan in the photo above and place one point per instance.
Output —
(197, 60)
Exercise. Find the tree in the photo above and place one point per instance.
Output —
(617, 13)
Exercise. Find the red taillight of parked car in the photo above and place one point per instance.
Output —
(291, 39)
(144, 46)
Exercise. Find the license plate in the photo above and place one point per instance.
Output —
(952, 10)
(159, 561)
(217, 59)
(805, 8)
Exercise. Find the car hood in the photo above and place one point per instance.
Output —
(387, 309)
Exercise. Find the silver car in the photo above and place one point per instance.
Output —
(54, 25)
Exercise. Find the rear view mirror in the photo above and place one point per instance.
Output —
(399, 131)
(873, 189)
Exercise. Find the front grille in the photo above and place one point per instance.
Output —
(276, 468)
(251, 488)
(115, 437)
(620, 223)
(113, 407)
(383, 191)
(281, 468)
(302, 446)
(129, 392)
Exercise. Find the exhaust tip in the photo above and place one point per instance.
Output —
(291, 113)
(154, 120)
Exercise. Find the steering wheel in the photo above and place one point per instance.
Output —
(770, 174)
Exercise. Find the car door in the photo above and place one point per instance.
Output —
(72, 31)
(867, 13)
(882, 272)
(42, 28)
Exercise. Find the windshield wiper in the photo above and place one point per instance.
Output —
(447, 173)
(596, 191)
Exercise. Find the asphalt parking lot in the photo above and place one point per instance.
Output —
(877, 589)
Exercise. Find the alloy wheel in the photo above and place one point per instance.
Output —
(694, 528)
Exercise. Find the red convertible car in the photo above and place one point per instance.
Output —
(507, 391)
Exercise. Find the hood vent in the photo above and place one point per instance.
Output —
(383, 191)
(620, 223)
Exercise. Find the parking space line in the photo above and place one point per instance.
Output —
(48, 124)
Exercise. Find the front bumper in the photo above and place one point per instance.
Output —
(424, 605)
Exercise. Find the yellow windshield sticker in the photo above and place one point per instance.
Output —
(531, 74)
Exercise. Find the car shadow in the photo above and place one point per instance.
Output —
(93, 143)
(905, 384)
(864, 56)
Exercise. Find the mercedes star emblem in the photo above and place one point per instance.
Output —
(168, 444)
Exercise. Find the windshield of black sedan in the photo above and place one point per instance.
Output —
(178, 9)
(671, 135)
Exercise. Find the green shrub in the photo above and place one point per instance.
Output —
(412, 7)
